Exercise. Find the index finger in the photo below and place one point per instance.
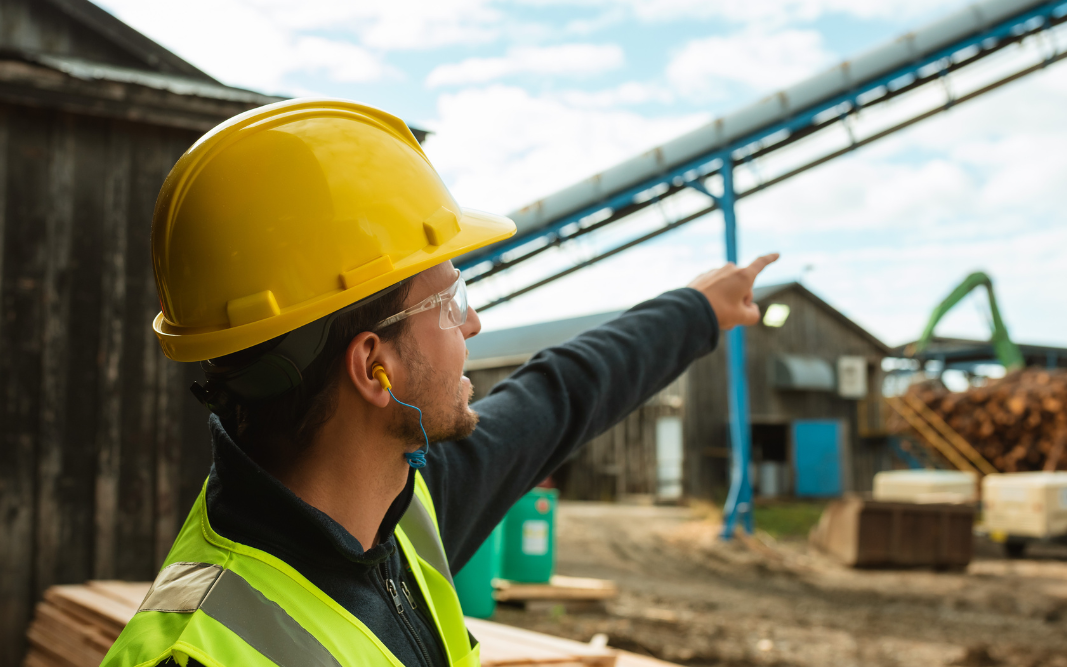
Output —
(761, 263)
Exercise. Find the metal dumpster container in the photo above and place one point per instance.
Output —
(869, 533)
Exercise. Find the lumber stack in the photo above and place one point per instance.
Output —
(507, 646)
(558, 588)
(76, 625)
(1018, 423)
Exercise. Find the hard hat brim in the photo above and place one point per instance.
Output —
(477, 229)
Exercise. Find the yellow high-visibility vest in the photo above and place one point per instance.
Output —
(226, 604)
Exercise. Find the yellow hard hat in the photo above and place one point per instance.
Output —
(289, 212)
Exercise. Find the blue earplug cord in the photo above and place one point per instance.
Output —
(417, 458)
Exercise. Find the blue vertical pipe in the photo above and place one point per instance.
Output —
(739, 501)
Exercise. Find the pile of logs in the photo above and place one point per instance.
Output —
(1018, 423)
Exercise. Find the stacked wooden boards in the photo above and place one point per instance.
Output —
(1018, 423)
(559, 588)
(505, 646)
(76, 625)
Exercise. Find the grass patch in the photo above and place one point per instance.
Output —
(788, 519)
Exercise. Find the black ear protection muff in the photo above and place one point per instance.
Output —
(270, 369)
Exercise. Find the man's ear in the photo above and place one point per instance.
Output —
(364, 352)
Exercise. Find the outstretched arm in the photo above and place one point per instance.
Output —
(568, 394)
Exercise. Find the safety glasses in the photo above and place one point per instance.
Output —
(453, 302)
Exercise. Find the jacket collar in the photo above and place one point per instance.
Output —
(248, 505)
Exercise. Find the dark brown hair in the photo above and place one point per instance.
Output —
(291, 421)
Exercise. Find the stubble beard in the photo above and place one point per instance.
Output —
(445, 418)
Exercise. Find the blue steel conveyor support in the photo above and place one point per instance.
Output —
(739, 502)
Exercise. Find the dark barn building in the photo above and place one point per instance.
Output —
(103, 447)
(815, 382)
(816, 367)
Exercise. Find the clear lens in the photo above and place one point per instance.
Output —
(454, 305)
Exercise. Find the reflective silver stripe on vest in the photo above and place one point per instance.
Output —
(418, 525)
(226, 597)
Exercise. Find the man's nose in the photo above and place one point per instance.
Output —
(473, 324)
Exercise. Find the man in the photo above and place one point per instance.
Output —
(303, 254)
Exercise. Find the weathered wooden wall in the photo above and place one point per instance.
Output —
(42, 27)
(621, 461)
(103, 448)
(810, 330)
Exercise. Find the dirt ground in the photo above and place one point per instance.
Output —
(690, 598)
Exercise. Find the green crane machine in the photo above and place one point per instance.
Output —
(1007, 352)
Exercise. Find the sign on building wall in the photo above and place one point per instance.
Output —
(852, 377)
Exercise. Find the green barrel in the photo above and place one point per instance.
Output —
(530, 538)
(474, 583)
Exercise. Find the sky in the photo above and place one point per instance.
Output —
(527, 97)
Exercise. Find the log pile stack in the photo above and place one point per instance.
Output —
(1018, 423)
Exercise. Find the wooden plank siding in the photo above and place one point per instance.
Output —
(40, 26)
(618, 462)
(621, 461)
(103, 449)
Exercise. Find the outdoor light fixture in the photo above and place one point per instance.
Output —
(776, 315)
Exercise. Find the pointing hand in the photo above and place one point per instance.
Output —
(729, 291)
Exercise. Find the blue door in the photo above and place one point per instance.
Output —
(817, 458)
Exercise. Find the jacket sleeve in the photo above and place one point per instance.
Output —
(560, 399)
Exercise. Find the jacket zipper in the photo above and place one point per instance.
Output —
(407, 594)
(390, 586)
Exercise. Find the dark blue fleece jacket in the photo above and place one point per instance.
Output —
(529, 424)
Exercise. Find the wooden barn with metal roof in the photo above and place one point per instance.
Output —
(103, 448)
(815, 397)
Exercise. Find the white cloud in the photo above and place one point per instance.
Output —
(893, 290)
(397, 24)
(763, 12)
(757, 60)
(245, 43)
(562, 59)
(628, 93)
(340, 61)
(501, 147)
(782, 11)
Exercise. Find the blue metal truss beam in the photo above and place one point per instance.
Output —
(985, 42)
